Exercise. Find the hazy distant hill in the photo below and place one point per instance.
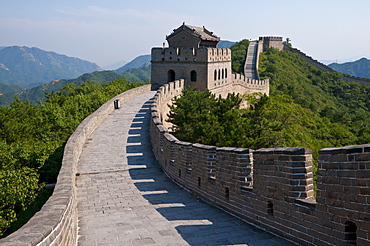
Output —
(115, 66)
(37, 94)
(138, 62)
(225, 44)
(359, 68)
(4, 88)
(29, 67)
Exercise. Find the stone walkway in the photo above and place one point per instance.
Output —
(125, 199)
(250, 66)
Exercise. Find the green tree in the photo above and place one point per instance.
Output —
(17, 189)
(200, 116)
(238, 55)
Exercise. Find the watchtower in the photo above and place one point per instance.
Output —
(268, 42)
(192, 55)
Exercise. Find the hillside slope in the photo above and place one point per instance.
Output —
(4, 88)
(30, 67)
(344, 106)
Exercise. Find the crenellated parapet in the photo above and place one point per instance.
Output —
(186, 54)
(242, 85)
(272, 188)
(255, 85)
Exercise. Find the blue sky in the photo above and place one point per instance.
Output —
(109, 31)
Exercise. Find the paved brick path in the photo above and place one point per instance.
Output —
(250, 68)
(125, 199)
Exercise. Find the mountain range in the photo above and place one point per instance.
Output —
(22, 67)
(359, 68)
(32, 68)
(29, 67)
(29, 73)
(115, 66)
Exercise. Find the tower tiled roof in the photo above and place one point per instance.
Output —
(201, 32)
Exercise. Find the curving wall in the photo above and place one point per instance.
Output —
(56, 223)
(243, 85)
(272, 188)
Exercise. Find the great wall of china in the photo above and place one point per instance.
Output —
(270, 188)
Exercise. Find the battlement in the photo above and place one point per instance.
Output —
(185, 54)
(271, 38)
(240, 84)
(272, 188)
(256, 83)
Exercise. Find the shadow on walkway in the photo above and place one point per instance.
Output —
(197, 222)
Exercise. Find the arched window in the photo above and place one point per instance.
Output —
(227, 193)
(170, 76)
(219, 74)
(215, 74)
(193, 76)
(225, 73)
(350, 232)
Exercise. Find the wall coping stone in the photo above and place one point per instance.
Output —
(202, 146)
(284, 151)
(170, 137)
(351, 149)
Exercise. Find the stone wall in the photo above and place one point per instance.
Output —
(57, 222)
(273, 188)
